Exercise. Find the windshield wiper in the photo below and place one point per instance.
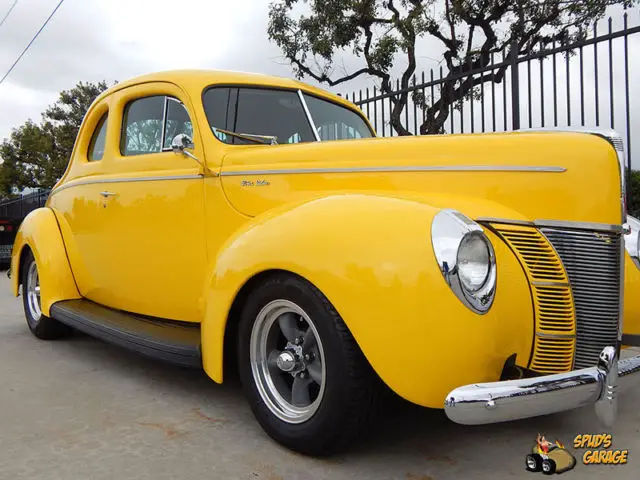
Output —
(262, 139)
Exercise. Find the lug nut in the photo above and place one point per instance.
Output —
(303, 375)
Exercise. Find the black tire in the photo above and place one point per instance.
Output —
(533, 462)
(548, 466)
(351, 385)
(41, 326)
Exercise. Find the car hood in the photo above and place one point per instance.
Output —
(525, 176)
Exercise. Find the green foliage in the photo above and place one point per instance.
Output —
(36, 154)
(314, 34)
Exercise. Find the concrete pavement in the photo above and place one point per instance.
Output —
(83, 409)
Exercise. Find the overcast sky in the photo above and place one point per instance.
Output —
(93, 40)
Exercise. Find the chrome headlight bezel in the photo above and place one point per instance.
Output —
(449, 228)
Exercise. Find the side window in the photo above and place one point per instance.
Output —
(337, 131)
(96, 147)
(142, 126)
(177, 122)
(335, 122)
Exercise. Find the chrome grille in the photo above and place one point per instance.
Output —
(554, 342)
(592, 262)
(552, 355)
(554, 307)
(538, 256)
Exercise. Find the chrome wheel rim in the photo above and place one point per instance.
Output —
(287, 361)
(33, 292)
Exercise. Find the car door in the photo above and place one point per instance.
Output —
(149, 250)
(75, 201)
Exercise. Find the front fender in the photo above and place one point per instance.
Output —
(631, 313)
(40, 232)
(373, 259)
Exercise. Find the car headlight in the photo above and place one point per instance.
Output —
(466, 259)
(474, 261)
(632, 239)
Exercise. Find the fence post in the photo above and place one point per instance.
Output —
(515, 86)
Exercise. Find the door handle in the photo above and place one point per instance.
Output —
(108, 194)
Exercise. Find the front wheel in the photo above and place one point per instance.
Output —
(307, 381)
(41, 326)
(548, 466)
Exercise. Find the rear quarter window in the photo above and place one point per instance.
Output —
(98, 140)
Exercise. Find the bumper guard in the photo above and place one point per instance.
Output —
(495, 402)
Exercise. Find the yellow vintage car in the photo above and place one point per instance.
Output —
(214, 219)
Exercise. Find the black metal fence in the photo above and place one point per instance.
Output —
(18, 208)
(561, 85)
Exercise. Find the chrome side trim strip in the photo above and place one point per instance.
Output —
(92, 181)
(602, 227)
(417, 168)
(309, 117)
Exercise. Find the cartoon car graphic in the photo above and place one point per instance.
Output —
(549, 457)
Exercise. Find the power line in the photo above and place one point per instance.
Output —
(31, 42)
(8, 12)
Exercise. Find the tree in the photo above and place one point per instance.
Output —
(384, 34)
(36, 154)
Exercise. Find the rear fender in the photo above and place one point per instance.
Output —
(41, 234)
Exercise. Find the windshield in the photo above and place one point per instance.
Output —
(234, 112)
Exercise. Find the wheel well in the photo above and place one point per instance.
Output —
(233, 319)
(23, 256)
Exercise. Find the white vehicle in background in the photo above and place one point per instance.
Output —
(632, 242)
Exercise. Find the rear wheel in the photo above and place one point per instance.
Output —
(533, 462)
(40, 325)
(307, 381)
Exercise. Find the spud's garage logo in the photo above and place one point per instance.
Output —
(599, 451)
(548, 457)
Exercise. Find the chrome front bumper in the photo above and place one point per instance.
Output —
(495, 402)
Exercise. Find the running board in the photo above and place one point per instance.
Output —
(170, 341)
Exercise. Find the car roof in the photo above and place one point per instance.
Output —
(200, 79)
